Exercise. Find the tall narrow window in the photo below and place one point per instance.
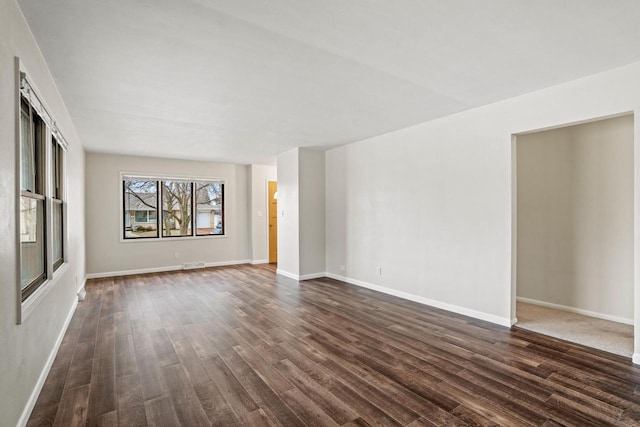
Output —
(209, 208)
(41, 196)
(32, 201)
(140, 208)
(57, 156)
(176, 208)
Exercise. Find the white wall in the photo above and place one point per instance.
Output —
(25, 348)
(432, 204)
(301, 230)
(106, 254)
(259, 211)
(288, 213)
(575, 216)
(312, 212)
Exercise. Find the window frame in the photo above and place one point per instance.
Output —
(123, 235)
(57, 175)
(26, 93)
(162, 211)
(195, 199)
(160, 178)
(38, 193)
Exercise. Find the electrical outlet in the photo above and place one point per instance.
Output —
(379, 270)
(176, 255)
(343, 268)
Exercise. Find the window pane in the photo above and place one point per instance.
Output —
(141, 216)
(31, 240)
(209, 208)
(56, 169)
(57, 234)
(27, 154)
(140, 196)
(176, 208)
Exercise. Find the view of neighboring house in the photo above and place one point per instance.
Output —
(141, 215)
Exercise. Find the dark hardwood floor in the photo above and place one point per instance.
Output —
(241, 346)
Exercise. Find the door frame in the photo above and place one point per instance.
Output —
(269, 219)
(636, 219)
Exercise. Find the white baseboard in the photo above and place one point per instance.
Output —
(313, 276)
(301, 277)
(82, 294)
(502, 321)
(514, 321)
(576, 310)
(161, 269)
(636, 358)
(260, 261)
(33, 398)
(287, 274)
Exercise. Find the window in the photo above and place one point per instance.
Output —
(186, 205)
(32, 201)
(57, 154)
(140, 208)
(209, 208)
(41, 198)
(176, 208)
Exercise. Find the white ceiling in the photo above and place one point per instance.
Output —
(241, 81)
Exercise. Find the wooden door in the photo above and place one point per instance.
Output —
(273, 222)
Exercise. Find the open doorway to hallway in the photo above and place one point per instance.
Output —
(574, 233)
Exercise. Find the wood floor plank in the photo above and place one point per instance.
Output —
(238, 398)
(161, 413)
(185, 401)
(238, 345)
(130, 401)
(72, 410)
(103, 386)
(215, 405)
(109, 419)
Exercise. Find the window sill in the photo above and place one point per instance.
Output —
(173, 239)
(28, 306)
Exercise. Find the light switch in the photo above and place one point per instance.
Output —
(259, 213)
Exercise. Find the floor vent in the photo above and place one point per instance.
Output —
(192, 265)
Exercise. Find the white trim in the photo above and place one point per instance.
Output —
(502, 321)
(287, 274)
(168, 177)
(312, 276)
(161, 269)
(35, 393)
(299, 277)
(172, 238)
(260, 261)
(609, 317)
(28, 306)
(636, 358)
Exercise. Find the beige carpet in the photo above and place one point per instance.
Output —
(604, 335)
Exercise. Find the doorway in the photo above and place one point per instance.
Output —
(573, 270)
(273, 221)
